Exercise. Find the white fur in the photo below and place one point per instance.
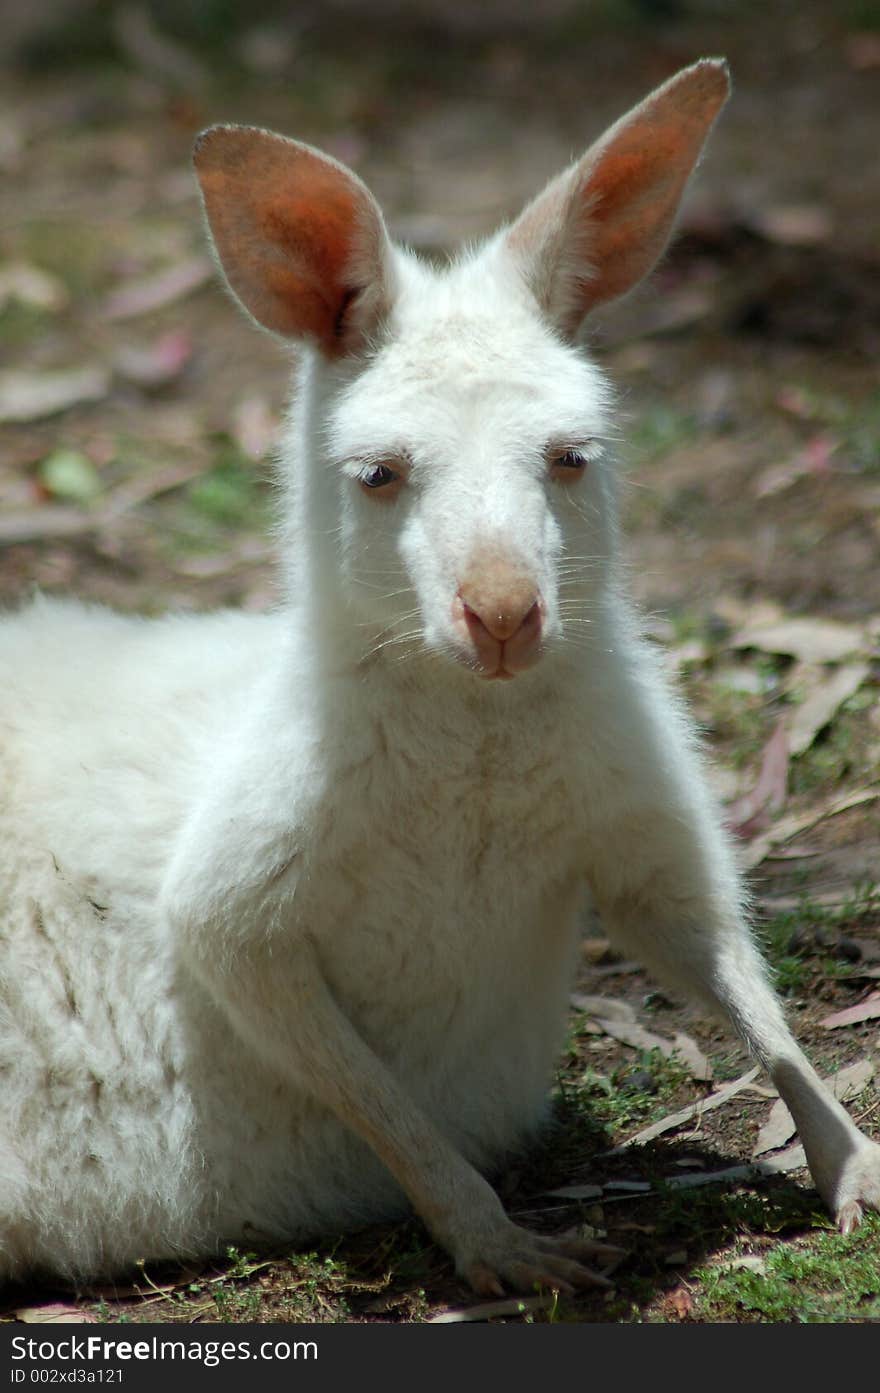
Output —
(289, 904)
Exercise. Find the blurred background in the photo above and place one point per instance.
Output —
(138, 414)
(138, 409)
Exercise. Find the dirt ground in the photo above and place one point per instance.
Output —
(137, 416)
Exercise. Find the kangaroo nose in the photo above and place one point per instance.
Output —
(499, 609)
(498, 613)
(502, 617)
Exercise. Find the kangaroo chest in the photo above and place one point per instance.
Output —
(453, 891)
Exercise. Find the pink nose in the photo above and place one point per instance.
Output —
(503, 619)
(501, 616)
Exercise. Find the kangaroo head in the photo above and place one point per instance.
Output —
(457, 457)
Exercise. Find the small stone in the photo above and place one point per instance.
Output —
(639, 1081)
(848, 948)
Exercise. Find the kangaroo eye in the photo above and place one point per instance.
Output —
(566, 466)
(377, 476)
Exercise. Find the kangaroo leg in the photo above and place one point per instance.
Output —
(668, 888)
(300, 1031)
(677, 908)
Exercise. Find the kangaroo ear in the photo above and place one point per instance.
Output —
(301, 240)
(599, 227)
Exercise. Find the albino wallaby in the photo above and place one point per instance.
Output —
(290, 902)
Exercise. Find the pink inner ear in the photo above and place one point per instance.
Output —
(313, 228)
(297, 234)
(601, 226)
(633, 196)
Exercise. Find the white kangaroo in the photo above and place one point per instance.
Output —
(289, 903)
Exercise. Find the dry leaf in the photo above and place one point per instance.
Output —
(255, 427)
(689, 1051)
(681, 1302)
(867, 1010)
(595, 949)
(792, 853)
(791, 1160)
(154, 292)
(694, 651)
(488, 1310)
(793, 224)
(617, 1019)
(575, 1192)
(745, 816)
(677, 1119)
(635, 1035)
(755, 613)
(142, 488)
(36, 524)
(813, 460)
(825, 696)
(604, 1008)
(797, 403)
(53, 1314)
(750, 1262)
(863, 50)
(624, 969)
(788, 827)
(846, 1084)
(811, 640)
(32, 286)
(155, 364)
(31, 396)
(742, 678)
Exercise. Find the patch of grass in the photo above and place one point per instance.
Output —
(777, 936)
(76, 256)
(862, 436)
(658, 429)
(615, 1102)
(788, 938)
(689, 1216)
(824, 1277)
(853, 423)
(702, 1222)
(306, 1287)
(315, 1289)
(108, 1314)
(735, 722)
(861, 14)
(791, 973)
(727, 1062)
(20, 323)
(229, 493)
(842, 750)
(236, 1305)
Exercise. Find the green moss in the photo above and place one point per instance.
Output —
(826, 1277)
